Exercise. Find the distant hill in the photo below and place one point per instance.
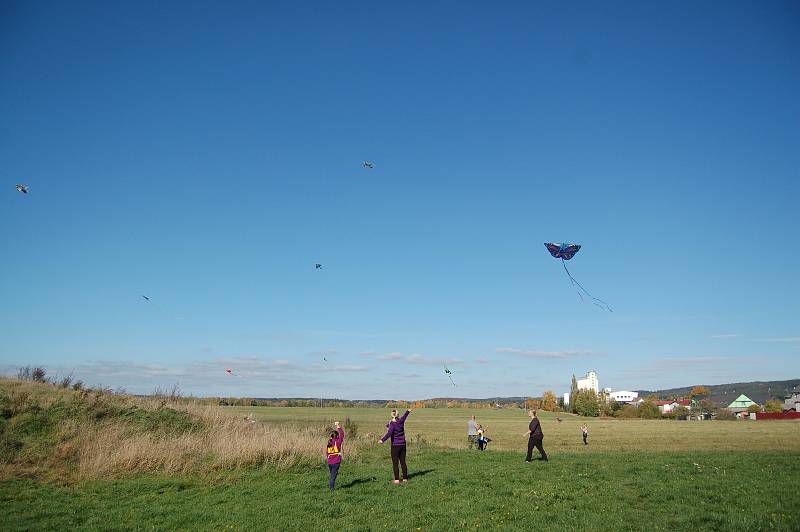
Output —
(724, 394)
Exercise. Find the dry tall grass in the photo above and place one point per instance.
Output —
(101, 434)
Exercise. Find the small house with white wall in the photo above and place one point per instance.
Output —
(665, 407)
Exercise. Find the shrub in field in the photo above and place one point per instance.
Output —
(725, 415)
(586, 403)
(549, 401)
(649, 410)
(627, 412)
(774, 406)
(27, 373)
(607, 406)
(350, 428)
(681, 412)
(754, 408)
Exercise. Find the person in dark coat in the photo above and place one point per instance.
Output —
(535, 436)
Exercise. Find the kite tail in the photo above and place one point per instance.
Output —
(599, 302)
(451, 380)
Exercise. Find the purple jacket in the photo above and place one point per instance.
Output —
(397, 430)
(334, 449)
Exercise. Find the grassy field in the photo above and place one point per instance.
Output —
(77, 459)
(448, 490)
(448, 428)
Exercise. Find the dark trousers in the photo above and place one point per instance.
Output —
(334, 471)
(585, 438)
(399, 457)
(535, 441)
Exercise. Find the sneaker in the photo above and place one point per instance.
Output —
(395, 482)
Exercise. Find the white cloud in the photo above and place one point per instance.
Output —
(785, 339)
(350, 368)
(541, 354)
(417, 358)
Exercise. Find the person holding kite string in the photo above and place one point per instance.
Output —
(472, 431)
(334, 453)
(396, 432)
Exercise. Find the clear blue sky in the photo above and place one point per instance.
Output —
(207, 154)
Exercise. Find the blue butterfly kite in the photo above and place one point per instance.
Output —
(566, 252)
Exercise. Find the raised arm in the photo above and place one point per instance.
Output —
(404, 416)
(340, 439)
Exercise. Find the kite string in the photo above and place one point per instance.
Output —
(597, 301)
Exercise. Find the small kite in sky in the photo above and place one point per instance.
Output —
(145, 297)
(566, 252)
(317, 266)
(22, 188)
(368, 164)
(230, 372)
(325, 359)
(449, 375)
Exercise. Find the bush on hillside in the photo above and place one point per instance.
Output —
(96, 433)
(27, 373)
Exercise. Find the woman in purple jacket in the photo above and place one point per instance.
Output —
(396, 431)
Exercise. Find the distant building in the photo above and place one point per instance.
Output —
(792, 401)
(665, 407)
(566, 398)
(740, 404)
(668, 406)
(589, 382)
(623, 396)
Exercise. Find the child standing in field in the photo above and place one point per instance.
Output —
(334, 453)
(396, 431)
(585, 431)
(482, 439)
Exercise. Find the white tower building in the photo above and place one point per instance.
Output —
(589, 382)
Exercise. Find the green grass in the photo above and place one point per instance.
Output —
(449, 489)
(634, 475)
